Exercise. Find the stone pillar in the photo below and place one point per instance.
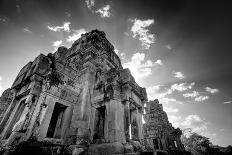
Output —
(115, 126)
(80, 122)
(8, 112)
(127, 120)
(35, 91)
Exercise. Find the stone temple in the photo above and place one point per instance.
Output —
(81, 101)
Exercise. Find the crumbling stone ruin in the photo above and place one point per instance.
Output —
(81, 101)
(158, 131)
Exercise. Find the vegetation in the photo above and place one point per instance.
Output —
(201, 145)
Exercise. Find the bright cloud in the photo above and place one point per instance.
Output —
(65, 27)
(153, 92)
(201, 98)
(170, 109)
(192, 95)
(167, 100)
(196, 95)
(122, 55)
(139, 29)
(90, 3)
(212, 91)
(57, 43)
(175, 120)
(182, 86)
(193, 121)
(104, 11)
(76, 35)
(227, 102)
(179, 75)
(138, 66)
(159, 62)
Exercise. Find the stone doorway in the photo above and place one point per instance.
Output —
(100, 123)
(56, 124)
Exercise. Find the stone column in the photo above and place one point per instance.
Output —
(8, 112)
(79, 128)
(115, 126)
(32, 100)
(127, 120)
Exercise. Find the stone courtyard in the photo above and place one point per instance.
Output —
(82, 101)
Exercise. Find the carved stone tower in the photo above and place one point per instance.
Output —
(79, 97)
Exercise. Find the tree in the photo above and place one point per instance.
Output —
(201, 145)
(196, 143)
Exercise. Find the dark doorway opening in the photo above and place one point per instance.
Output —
(156, 143)
(56, 124)
(100, 123)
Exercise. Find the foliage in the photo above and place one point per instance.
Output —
(201, 145)
(54, 78)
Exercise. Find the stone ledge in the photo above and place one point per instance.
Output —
(106, 149)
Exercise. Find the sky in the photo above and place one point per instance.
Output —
(179, 50)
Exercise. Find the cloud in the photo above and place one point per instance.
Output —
(138, 66)
(155, 92)
(1, 88)
(27, 30)
(126, 34)
(192, 95)
(212, 91)
(76, 35)
(139, 29)
(104, 11)
(182, 87)
(201, 98)
(122, 55)
(90, 3)
(167, 100)
(159, 62)
(168, 47)
(196, 95)
(179, 75)
(153, 89)
(227, 102)
(68, 14)
(170, 109)
(193, 121)
(57, 43)
(175, 120)
(65, 27)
